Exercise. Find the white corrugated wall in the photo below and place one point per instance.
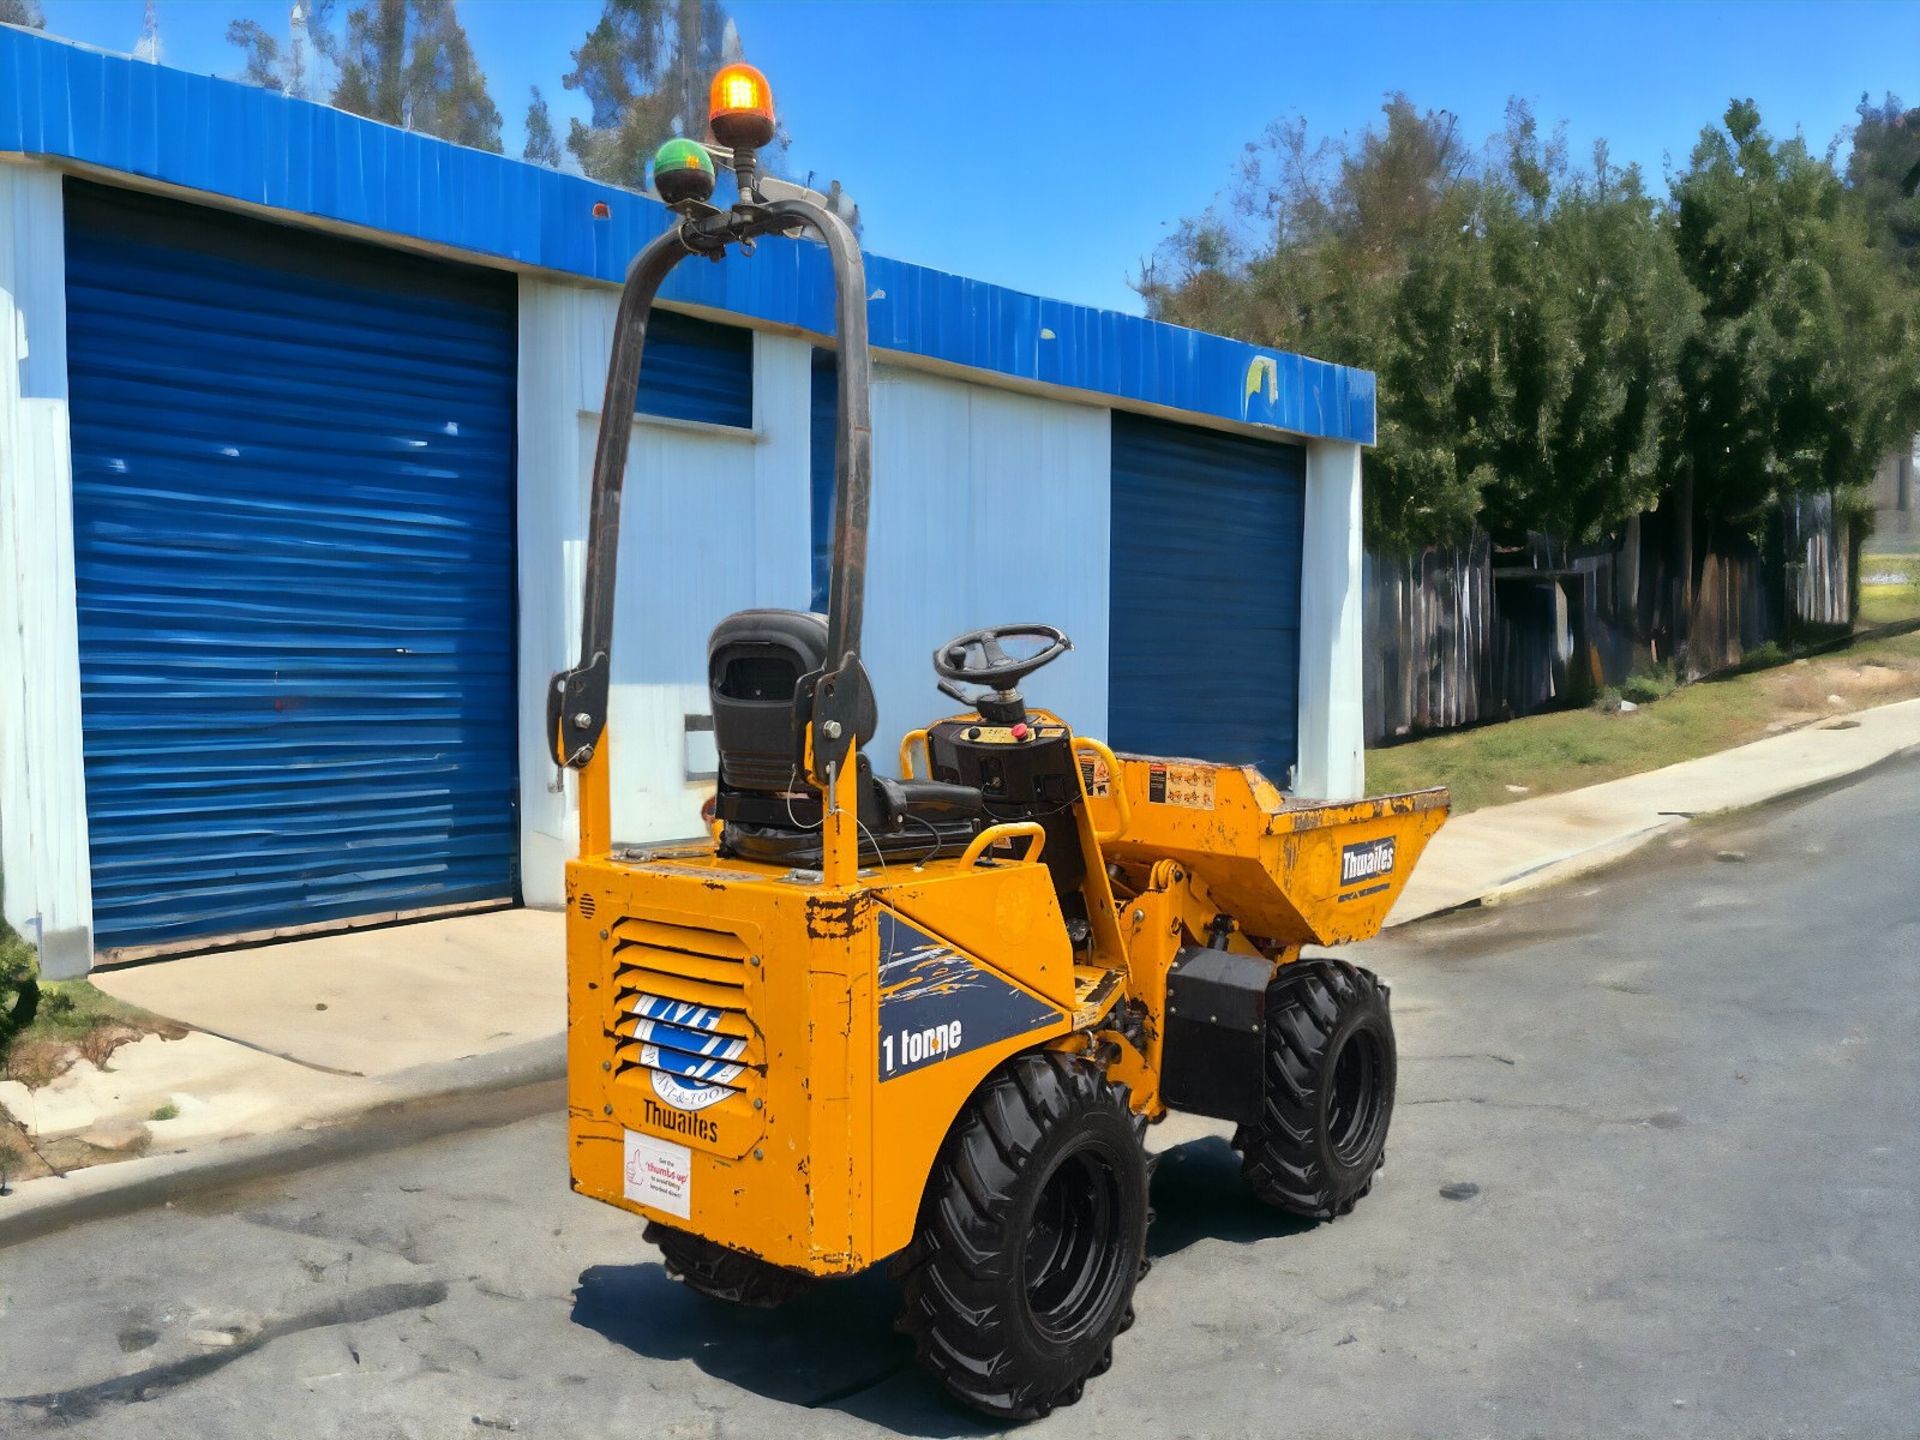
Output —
(713, 520)
(988, 507)
(43, 801)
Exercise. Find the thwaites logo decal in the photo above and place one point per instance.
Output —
(691, 1060)
(937, 1002)
(1369, 860)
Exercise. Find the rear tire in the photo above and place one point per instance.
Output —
(1032, 1237)
(723, 1274)
(1330, 1070)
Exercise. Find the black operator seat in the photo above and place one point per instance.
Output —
(755, 660)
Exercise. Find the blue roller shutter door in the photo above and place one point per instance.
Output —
(294, 546)
(693, 369)
(823, 420)
(1206, 536)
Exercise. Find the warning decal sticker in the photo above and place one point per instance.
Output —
(1189, 786)
(1095, 776)
(937, 1002)
(659, 1173)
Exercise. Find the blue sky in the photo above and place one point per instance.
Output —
(1073, 135)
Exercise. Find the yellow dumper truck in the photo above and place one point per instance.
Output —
(929, 1018)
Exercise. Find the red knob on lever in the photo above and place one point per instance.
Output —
(1020, 731)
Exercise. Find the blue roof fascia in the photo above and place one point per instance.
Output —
(68, 102)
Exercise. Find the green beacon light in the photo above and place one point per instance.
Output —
(682, 172)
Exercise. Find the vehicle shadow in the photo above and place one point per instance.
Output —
(832, 1348)
(835, 1347)
(1198, 1195)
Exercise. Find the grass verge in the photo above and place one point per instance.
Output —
(1889, 588)
(1546, 754)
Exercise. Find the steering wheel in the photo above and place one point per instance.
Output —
(978, 658)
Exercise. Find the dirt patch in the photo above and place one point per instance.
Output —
(37, 1061)
(34, 1159)
(39, 1057)
(1810, 690)
(72, 1024)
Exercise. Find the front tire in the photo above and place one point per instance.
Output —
(1330, 1072)
(1032, 1237)
(723, 1274)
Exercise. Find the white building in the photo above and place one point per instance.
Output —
(293, 475)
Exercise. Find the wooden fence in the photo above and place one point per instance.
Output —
(1459, 636)
(1429, 639)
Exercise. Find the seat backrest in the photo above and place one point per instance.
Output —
(755, 660)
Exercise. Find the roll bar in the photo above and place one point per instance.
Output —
(827, 699)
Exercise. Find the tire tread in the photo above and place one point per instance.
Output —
(954, 1282)
(1307, 1002)
(713, 1270)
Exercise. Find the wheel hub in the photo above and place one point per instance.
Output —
(1070, 1260)
(1354, 1108)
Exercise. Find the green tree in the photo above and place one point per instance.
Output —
(1591, 311)
(1367, 253)
(1557, 350)
(623, 68)
(265, 65)
(1883, 172)
(1805, 367)
(542, 148)
(290, 69)
(22, 12)
(644, 68)
(409, 63)
(1428, 330)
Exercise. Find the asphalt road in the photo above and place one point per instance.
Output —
(1654, 1173)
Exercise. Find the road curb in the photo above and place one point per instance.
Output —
(1568, 866)
(446, 1098)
